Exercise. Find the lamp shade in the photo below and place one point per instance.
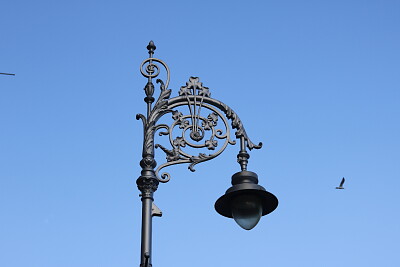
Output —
(246, 201)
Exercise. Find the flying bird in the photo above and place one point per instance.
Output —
(8, 74)
(341, 184)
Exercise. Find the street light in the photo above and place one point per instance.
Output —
(245, 201)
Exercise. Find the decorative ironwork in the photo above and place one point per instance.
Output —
(196, 132)
(210, 132)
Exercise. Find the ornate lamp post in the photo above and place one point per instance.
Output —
(245, 201)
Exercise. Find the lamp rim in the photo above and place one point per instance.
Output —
(268, 200)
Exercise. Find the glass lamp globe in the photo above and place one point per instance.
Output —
(246, 210)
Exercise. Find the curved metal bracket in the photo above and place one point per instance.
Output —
(197, 131)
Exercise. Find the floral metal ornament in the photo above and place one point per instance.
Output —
(211, 131)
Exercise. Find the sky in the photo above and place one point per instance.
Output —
(316, 81)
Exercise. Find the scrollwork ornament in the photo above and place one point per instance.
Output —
(197, 131)
(149, 69)
(237, 124)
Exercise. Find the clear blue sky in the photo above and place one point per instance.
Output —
(316, 81)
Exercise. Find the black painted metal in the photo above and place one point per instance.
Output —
(245, 182)
(198, 132)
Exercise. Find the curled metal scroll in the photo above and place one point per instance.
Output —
(152, 70)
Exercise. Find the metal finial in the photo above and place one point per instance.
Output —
(151, 47)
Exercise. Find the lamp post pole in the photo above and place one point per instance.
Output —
(245, 201)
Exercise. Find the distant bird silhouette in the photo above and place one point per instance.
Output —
(341, 184)
(8, 74)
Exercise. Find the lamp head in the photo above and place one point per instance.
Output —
(246, 201)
